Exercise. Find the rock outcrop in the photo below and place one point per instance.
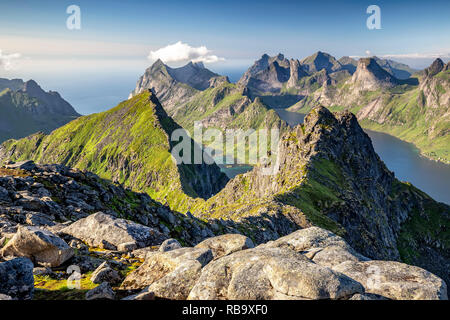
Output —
(328, 171)
(16, 278)
(41, 246)
(104, 231)
(285, 269)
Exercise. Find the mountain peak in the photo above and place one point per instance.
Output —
(370, 76)
(321, 60)
(436, 67)
(32, 87)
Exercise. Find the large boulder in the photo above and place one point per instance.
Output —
(395, 280)
(104, 231)
(271, 273)
(320, 245)
(226, 244)
(170, 244)
(104, 273)
(16, 278)
(41, 246)
(170, 274)
(102, 292)
(308, 239)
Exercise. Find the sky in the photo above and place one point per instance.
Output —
(122, 38)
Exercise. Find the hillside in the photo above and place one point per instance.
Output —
(25, 109)
(129, 144)
(193, 93)
(124, 251)
(415, 110)
(330, 176)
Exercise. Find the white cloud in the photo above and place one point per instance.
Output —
(182, 52)
(7, 61)
(368, 53)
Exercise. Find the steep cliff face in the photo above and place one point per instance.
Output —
(129, 144)
(25, 108)
(370, 76)
(330, 176)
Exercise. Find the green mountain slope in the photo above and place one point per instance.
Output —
(330, 176)
(129, 144)
(193, 93)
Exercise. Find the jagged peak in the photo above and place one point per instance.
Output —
(371, 76)
(436, 67)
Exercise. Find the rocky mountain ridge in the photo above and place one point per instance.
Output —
(129, 144)
(25, 109)
(49, 224)
(415, 110)
(330, 176)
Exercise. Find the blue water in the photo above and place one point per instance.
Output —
(403, 159)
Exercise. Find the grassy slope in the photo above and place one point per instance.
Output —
(213, 101)
(110, 144)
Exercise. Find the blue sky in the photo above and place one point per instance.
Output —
(117, 36)
(236, 30)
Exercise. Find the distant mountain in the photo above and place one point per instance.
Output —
(370, 76)
(319, 61)
(330, 176)
(174, 86)
(25, 108)
(269, 74)
(280, 82)
(129, 144)
(397, 69)
(193, 93)
(415, 110)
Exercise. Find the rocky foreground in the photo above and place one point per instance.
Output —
(69, 235)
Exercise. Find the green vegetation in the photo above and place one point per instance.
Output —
(127, 144)
(48, 288)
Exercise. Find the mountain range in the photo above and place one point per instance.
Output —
(326, 174)
(25, 109)
(193, 93)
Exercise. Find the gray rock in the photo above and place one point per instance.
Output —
(308, 239)
(170, 274)
(42, 271)
(23, 165)
(4, 195)
(102, 292)
(395, 280)
(367, 296)
(16, 278)
(226, 244)
(38, 219)
(143, 295)
(169, 244)
(99, 227)
(270, 273)
(104, 273)
(4, 297)
(334, 255)
(126, 247)
(42, 246)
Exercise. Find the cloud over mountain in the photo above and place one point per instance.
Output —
(6, 60)
(183, 52)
